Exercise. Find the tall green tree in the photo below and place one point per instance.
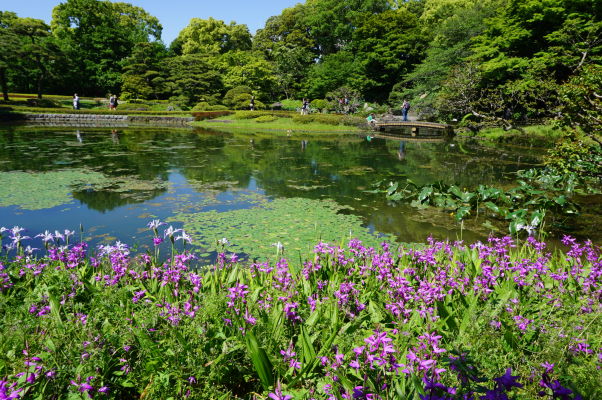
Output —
(10, 46)
(452, 27)
(97, 35)
(522, 37)
(212, 37)
(331, 23)
(38, 49)
(285, 41)
(143, 72)
(193, 78)
(387, 46)
(248, 68)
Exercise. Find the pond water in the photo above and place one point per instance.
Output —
(252, 190)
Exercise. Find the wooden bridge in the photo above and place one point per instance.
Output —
(417, 129)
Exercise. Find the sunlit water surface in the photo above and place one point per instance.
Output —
(242, 186)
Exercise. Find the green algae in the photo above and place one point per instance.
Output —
(297, 223)
(42, 190)
(36, 191)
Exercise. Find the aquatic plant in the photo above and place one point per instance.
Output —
(32, 191)
(490, 320)
(295, 222)
(540, 195)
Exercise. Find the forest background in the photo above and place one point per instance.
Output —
(505, 61)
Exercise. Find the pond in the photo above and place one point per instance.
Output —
(255, 191)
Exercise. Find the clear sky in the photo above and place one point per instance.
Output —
(174, 15)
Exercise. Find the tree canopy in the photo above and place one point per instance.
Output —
(501, 61)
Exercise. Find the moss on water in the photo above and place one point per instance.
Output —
(36, 191)
(297, 223)
(42, 190)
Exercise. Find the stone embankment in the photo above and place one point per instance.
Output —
(97, 119)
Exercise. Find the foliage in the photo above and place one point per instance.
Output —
(582, 102)
(246, 68)
(208, 114)
(576, 156)
(320, 105)
(494, 319)
(95, 35)
(256, 114)
(290, 104)
(192, 79)
(330, 119)
(541, 198)
(204, 106)
(265, 118)
(143, 74)
(211, 37)
(386, 45)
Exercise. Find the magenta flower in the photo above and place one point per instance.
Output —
(278, 395)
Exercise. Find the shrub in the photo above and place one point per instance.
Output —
(45, 103)
(328, 119)
(231, 98)
(350, 120)
(202, 115)
(290, 104)
(320, 105)
(256, 114)
(265, 118)
(133, 106)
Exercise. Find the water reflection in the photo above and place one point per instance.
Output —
(154, 173)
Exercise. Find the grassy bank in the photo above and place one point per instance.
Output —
(284, 122)
(535, 135)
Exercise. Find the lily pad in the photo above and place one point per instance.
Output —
(297, 223)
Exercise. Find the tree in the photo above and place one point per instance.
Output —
(519, 39)
(335, 70)
(97, 35)
(38, 49)
(249, 69)
(193, 78)
(285, 41)
(9, 43)
(453, 26)
(144, 76)
(387, 46)
(211, 37)
(331, 23)
(582, 102)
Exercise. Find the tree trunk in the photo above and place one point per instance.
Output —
(40, 76)
(40, 86)
(4, 84)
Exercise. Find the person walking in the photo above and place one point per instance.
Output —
(112, 100)
(405, 108)
(305, 107)
(252, 104)
(75, 102)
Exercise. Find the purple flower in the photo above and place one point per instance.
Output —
(278, 395)
(508, 381)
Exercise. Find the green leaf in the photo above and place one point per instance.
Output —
(425, 193)
(462, 212)
(493, 207)
(260, 360)
(309, 353)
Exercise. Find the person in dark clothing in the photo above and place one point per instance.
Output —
(405, 108)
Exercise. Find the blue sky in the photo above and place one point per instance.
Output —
(174, 15)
